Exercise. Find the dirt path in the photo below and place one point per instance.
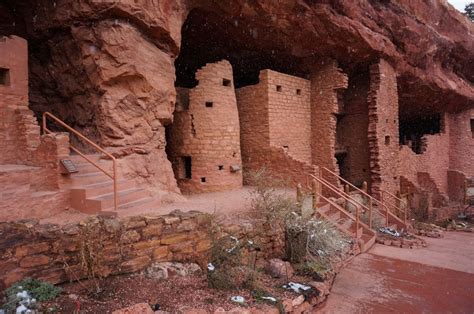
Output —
(233, 203)
(437, 279)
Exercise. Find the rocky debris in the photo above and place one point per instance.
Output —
(453, 225)
(165, 270)
(427, 230)
(278, 268)
(430, 234)
(407, 241)
(142, 308)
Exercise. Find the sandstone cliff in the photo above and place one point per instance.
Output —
(108, 67)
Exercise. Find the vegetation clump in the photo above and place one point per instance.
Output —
(23, 295)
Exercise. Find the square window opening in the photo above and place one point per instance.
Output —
(185, 168)
(298, 91)
(226, 82)
(203, 179)
(278, 88)
(209, 104)
(387, 140)
(220, 167)
(4, 76)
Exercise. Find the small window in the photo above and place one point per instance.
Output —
(203, 179)
(220, 167)
(278, 88)
(226, 82)
(472, 127)
(185, 168)
(285, 148)
(4, 76)
(209, 104)
(387, 140)
(298, 91)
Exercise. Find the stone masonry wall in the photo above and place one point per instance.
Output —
(326, 81)
(13, 94)
(352, 131)
(434, 160)
(29, 163)
(383, 129)
(53, 252)
(252, 102)
(461, 148)
(265, 114)
(208, 132)
(289, 114)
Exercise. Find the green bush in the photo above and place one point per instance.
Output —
(40, 290)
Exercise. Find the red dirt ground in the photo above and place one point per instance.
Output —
(173, 294)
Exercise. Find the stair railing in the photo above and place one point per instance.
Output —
(343, 195)
(372, 200)
(112, 175)
(347, 196)
(399, 209)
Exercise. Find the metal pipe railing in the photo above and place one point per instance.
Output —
(113, 176)
(343, 195)
(370, 197)
(356, 218)
(399, 209)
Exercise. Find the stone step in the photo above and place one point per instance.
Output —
(87, 167)
(97, 189)
(83, 179)
(106, 201)
(78, 159)
(333, 214)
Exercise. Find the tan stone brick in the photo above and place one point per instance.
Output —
(31, 249)
(182, 247)
(174, 238)
(34, 260)
(152, 230)
(160, 253)
(143, 245)
(203, 245)
(135, 264)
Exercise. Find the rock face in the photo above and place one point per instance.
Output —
(108, 67)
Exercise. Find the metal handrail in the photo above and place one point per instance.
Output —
(402, 210)
(348, 199)
(113, 176)
(345, 196)
(371, 198)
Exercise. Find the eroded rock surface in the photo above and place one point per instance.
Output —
(107, 67)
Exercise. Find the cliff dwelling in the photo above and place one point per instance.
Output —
(163, 130)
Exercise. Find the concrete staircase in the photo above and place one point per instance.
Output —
(92, 191)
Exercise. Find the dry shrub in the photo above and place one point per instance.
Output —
(421, 213)
(266, 201)
(314, 242)
(229, 270)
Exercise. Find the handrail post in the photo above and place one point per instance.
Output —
(370, 213)
(315, 193)
(357, 222)
(44, 122)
